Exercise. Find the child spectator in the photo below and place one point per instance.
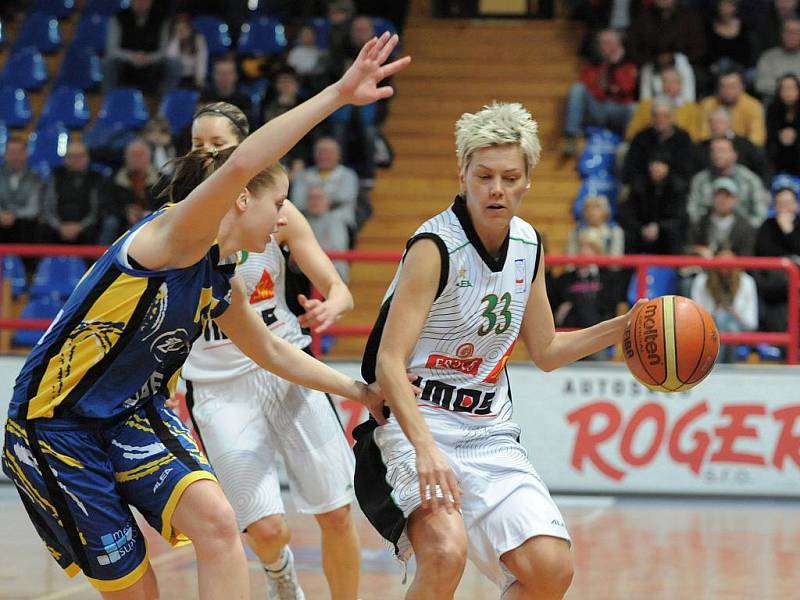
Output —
(596, 215)
(330, 225)
(158, 135)
(307, 59)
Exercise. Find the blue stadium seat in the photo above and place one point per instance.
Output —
(105, 7)
(661, 281)
(107, 138)
(45, 307)
(39, 31)
(322, 27)
(262, 36)
(80, 69)
(57, 8)
(47, 147)
(177, 107)
(256, 90)
(14, 270)
(67, 105)
(126, 106)
(381, 25)
(15, 107)
(603, 184)
(215, 30)
(25, 69)
(3, 141)
(91, 32)
(57, 275)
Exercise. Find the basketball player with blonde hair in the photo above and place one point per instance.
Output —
(446, 477)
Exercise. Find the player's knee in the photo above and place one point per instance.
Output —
(271, 531)
(549, 576)
(216, 526)
(444, 558)
(336, 521)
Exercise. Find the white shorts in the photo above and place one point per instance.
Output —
(504, 502)
(244, 422)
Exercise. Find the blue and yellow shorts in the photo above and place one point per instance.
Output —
(77, 485)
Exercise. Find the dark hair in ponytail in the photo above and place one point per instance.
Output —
(194, 168)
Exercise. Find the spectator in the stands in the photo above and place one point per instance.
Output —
(280, 97)
(779, 61)
(730, 295)
(769, 31)
(728, 43)
(783, 126)
(188, 48)
(753, 199)
(687, 114)
(724, 225)
(664, 24)
(651, 82)
(224, 87)
(20, 195)
(720, 125)
(654, 213)
(158, 134)
(664, 137)
(747, 114)
(340, 13)
(596, 216)
(603, 94)
(330, 224)
(339, 182)
(131, 197)
(355, 127)
(308, 60)
(587, 294)
(136, 49)
(777, 236)
(71, 203)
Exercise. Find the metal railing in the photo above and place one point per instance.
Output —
(788, 339)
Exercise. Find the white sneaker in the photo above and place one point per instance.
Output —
(283, 584)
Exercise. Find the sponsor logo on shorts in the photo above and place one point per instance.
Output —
(117, 545)
(161, 479)
(463, 361)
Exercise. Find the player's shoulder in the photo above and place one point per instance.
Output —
(444, 226)
(522, 231)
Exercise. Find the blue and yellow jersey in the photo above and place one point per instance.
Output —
(120, 338)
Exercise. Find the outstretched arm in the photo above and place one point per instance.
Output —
(183, 235)
(315, 264)
(550, 349)
(245, 329)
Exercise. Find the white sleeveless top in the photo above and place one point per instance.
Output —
(213, 356)
(474, 322)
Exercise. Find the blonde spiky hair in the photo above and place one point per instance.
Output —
(497, 124)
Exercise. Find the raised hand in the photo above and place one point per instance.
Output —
(359, 84)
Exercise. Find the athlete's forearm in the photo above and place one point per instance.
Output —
(568, 346)
(392, 378)
(339, 297)
(293, 364)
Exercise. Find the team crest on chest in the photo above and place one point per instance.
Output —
(265, 289)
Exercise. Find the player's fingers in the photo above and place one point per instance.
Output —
(455, 490)
(377, 49)
(366, 49)
(395, 66)
(424, 492)
(301, 298)
(388, 48)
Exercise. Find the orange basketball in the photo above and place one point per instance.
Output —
(670, 343)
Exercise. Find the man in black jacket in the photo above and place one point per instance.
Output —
(135, 50)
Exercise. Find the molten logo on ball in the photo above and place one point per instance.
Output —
(670, 343)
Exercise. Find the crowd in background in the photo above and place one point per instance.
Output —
(704, 97)
(98, 193)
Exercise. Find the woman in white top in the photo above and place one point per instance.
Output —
(246, 416)
(189, 49)
(730, 295)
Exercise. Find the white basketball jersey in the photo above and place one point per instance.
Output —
(213, 356)
(474, 321)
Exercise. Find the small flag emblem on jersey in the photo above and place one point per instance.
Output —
(519, 274)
